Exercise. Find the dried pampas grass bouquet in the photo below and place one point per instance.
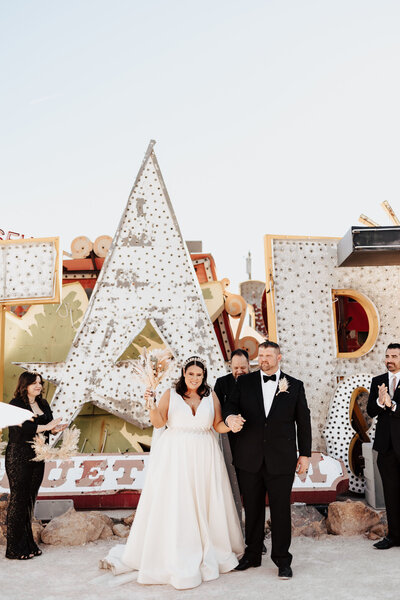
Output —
(150, 368)
(68, 448)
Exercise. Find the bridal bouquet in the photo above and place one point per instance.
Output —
(150, 368)
(68, 448)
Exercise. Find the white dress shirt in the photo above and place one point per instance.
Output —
(268, 390)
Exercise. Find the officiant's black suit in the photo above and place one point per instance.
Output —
(224, 387)
(387, 444)
(265, 454)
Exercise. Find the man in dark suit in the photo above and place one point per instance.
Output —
(266, 409)
(384, 402)
(224, 385)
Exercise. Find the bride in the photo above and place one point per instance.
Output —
(186, 528)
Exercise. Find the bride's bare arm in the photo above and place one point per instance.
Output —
(159, 415)
(218, 424)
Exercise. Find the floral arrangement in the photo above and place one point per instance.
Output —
(2, 444)
(150, 368)
(68, 448)
(283, 385)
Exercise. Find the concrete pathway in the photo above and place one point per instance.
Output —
(332, 568)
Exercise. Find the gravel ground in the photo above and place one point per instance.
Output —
(332, 567)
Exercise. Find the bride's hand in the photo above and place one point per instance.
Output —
(149, 398)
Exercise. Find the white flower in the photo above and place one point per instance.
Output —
(283, 385)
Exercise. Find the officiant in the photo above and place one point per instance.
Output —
(239, 365)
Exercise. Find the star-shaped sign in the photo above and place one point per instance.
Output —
(147, 276)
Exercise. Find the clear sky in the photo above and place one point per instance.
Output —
(270, 116)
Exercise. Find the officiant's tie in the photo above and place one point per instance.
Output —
(269, 378)
(394, 386)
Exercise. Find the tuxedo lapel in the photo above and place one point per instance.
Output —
(258, 391)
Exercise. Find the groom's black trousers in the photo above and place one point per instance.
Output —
(389, 469)
(254, 487)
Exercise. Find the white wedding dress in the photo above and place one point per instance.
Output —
(186, 528)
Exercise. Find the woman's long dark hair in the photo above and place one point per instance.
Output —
(203, 389)
(26, 379)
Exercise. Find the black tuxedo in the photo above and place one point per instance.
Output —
(265, 454)
(387, 435)
(224, 387)
(387, 444)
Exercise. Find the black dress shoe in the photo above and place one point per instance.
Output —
(285, 573)
(246, 562)
(385, 544)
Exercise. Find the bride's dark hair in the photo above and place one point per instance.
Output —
(203, 389)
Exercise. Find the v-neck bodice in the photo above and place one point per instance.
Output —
(180, 414)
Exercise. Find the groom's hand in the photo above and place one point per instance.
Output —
(235, 422)
(302, 465)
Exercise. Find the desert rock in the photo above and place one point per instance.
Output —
(380, 530)
(37, 529)
(351, 518)
(76, 528)
(306, 520)
(129, 520)
(121, 530)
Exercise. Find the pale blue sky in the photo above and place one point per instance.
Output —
(270, 116)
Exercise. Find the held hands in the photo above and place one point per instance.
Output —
(55, 426)
(384, 398)
(302, 465)
(235, 422)
(59, 428)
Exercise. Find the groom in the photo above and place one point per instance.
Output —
(267, 410)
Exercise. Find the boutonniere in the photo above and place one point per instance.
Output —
(283, 385)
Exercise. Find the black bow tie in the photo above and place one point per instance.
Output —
(269, 378)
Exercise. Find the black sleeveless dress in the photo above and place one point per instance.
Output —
(25, 477)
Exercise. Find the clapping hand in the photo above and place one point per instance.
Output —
(384, 398)
(235, 422)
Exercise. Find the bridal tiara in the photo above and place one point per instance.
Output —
(195, 360)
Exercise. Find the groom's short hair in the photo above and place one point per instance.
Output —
(268, 344)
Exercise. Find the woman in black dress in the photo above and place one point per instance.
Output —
(24, 475)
